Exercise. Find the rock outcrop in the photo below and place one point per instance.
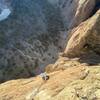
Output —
(76, 82)
(85, 37)
(76, 11)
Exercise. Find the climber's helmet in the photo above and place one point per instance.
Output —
(44, 76)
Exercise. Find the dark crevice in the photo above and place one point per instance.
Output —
(89, 47)
(96, 8)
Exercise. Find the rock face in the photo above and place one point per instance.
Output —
(34, 33)
(85, 36)
(76, 11)
(74, 83)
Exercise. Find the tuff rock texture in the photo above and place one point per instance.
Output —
(77, 11)
(76, 82)
(74, 11)
(85, 37)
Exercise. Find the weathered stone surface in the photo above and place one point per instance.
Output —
(73, 83)
(85, 36)
(76, 11)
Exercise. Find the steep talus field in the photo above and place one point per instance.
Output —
(35, 32)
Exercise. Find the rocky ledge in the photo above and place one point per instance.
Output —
(76, 82)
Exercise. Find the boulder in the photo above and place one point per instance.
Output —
(85, 37)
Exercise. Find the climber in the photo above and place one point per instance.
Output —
(44, 76)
